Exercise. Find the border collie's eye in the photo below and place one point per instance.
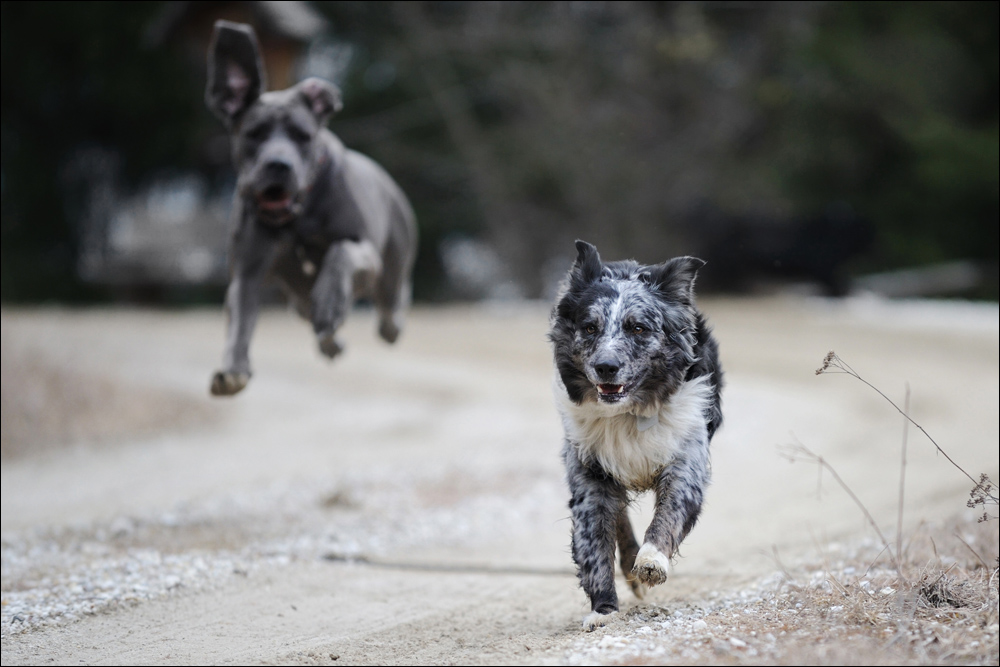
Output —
(590, 328)
(638, 329)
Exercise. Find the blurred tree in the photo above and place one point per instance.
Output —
(638, 126)
(75, 76)
(641, 126)
(552, 121)
(894, 107)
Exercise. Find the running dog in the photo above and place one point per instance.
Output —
(638, 386)
(328, 223)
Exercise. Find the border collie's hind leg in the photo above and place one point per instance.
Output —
(627, 550)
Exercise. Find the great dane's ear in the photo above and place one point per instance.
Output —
(322, 98)
(587, 268)
(236, 75)
(675, 278)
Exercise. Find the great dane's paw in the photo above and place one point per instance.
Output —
(227, 383)
(596, 619)
(651, 566)
(388, 330)
(327, 317)
(329, 345)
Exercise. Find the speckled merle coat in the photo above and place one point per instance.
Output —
(638, 386)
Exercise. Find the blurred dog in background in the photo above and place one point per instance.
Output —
(327, 222)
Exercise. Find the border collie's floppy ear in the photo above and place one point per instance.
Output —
(587, 267)
(675, 278)
(236, 75)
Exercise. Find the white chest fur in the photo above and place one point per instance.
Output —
(612, 437)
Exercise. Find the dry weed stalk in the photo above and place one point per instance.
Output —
(982, 491)
(933, 592)
(799, 452)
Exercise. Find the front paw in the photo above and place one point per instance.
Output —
(329, 345)
(227, 383)
(651, 566)
(388, 330)
(596, 619)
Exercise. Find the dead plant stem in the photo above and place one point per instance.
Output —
(804, 453)
(902, 482)
(833, 360)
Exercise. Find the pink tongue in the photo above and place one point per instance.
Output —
(275, 204)
(609, 388)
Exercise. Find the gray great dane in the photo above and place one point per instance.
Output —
(326, 222)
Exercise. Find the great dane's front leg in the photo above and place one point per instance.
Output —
(596, 502)
(349, 269)
(252, 252)
(680, 488)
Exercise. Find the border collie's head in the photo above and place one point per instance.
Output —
(624, 334)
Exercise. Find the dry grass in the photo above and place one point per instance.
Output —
(927, 598)
(931, 598)
(847, 606)
(856, 608)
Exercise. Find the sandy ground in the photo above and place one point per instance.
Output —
(406, 504)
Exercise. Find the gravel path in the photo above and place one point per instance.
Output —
(407, 505)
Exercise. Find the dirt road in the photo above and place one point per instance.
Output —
(406, 504)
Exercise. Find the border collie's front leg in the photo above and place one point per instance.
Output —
(596, 502)
(680, 488)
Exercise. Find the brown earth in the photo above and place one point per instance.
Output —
(406, 505)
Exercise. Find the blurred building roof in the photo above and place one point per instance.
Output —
(291, 20)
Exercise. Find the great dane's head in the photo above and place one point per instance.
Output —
(275, 144)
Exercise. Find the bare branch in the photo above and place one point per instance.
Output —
(832, 361)
(799, 452)
(902, 478)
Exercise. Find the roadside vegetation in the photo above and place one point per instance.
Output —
(928, 597)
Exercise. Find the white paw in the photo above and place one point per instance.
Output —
(596, 619)
(651, 566)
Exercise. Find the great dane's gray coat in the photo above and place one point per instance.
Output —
(327, 222)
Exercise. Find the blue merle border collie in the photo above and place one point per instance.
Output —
(638, 386)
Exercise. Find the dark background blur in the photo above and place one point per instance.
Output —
(834, 147)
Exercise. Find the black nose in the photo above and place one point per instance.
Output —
(277, 168)
(607, 367)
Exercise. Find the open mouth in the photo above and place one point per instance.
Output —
(274, 199)
(611, 393)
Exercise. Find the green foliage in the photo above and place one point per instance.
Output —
(894, 107)
(531, 124)
(75, 75)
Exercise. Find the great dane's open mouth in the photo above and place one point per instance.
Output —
(275, 199)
